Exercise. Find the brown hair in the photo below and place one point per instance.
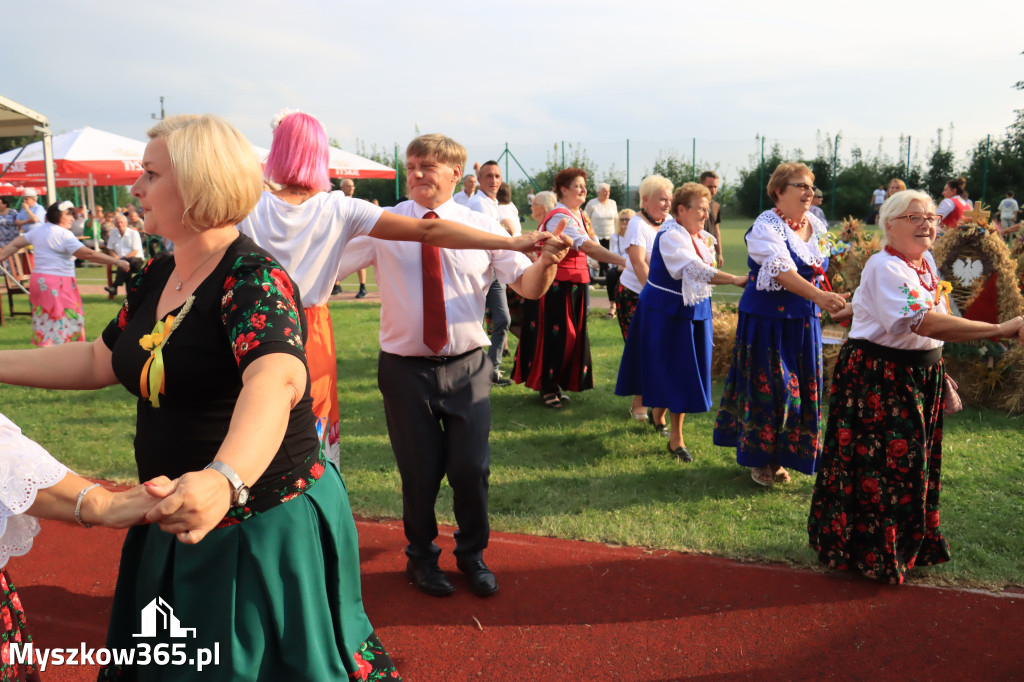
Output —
(686, 193)
(565, 177)
(785, 172)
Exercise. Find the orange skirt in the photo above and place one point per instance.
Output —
(323, 377)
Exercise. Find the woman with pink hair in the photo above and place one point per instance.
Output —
(306, 227)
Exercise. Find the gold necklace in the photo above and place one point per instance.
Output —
(181, 282)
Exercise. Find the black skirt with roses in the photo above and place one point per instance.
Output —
(875, 507)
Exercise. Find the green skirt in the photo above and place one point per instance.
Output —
(275, 597)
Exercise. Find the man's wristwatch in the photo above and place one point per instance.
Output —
(239, 490)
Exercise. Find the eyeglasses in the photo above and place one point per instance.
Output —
(700, 209)
(916, 219)
(623, 220)
(802, 186)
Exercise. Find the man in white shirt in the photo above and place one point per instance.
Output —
(31, 213)
(126, 244)
(468, 188)
(877, 199)
(816, 202)
(485, 201)
(436, 388)
(1008, 210)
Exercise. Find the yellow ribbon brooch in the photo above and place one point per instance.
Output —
(942, 292)
(151, 381)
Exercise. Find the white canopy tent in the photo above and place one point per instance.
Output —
(343, 164)
(17, 120)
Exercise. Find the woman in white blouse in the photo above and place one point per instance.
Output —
(672, 321)
(875, 507)
(35, 485)
(617, 245)
(655, 200)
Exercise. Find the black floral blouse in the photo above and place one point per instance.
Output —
(247, 308)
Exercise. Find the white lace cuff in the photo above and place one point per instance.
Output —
(696, 282)
(906, 325)
(25, 468)
(770, 268)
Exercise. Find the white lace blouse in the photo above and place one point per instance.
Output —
(767, 245)
(25, 468)
(688, 259)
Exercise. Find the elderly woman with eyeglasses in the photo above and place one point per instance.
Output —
(875, 507)
(770, 408)
(617, 245)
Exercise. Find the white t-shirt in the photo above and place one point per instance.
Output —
(1008, 208)
(879, 196)
(890, 300)
(467, 275)
(509, 212)
(308, 239)
(638, 233)
(122, 245)
(603, 217)
(54, 250)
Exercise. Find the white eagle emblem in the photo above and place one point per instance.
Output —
(967, 270)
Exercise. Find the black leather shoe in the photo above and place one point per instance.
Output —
(481, 581)
(680, 453)
(361, 293)
(429, 578)
(111, 290)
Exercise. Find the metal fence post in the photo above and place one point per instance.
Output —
(627, 172)
(835, 172)
(907, 179)
(760, 195)
(984, 182)
(693, 168)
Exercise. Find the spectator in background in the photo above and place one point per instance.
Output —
(603, 214)
(895, 185)
(1008, 210)
(617, 245)
(126, 244)
(468, 188)
(877, 199)
(31, 213)
(485, 201)
(78, 224)
(507, 211)
(953, 206)
(815, 208)
(8, 226)
(134, 221)
(713, 223)
(348, 188)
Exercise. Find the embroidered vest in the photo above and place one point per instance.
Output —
(572, 268)
(664, 293)
(781, 303)
(953, 219)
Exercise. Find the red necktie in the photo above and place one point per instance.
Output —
(435, 324)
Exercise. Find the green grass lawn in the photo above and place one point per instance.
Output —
(586, 472)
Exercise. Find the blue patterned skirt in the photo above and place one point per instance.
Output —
(771, 407)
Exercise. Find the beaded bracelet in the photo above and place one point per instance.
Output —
(78, 505)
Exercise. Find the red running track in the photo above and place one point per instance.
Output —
(584, 611)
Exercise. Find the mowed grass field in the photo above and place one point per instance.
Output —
(586, 472)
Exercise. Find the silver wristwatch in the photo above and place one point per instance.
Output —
(239, 490)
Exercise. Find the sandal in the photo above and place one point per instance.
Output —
(564, 398)
(781, 476)
(662, 429)
(552, 400)
(762, 476)
(681, 453)
(639, 416)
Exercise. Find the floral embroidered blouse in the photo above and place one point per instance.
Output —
(247, 308)
(891, 300)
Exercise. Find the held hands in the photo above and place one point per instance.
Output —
(192, 505)
(846, 313)
(831, 302)
(121, 509)
(739, 280)
(1013, 327)
(556, 245)
(122, 264)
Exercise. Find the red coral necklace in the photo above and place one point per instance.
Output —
(796, 227)
(924, 269)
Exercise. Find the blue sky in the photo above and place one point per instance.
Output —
(534, 73)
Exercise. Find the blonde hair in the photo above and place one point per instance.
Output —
(628, 214)
(898, 203)
(651, 183)
(218, 175)
(547, 198)
(785, 172)
(440, 148)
